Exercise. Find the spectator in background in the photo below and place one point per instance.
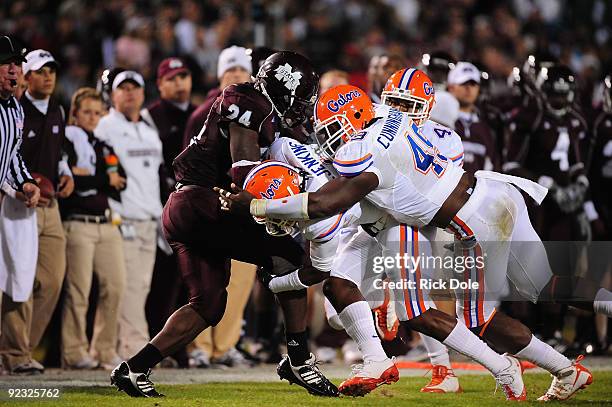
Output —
(380, 69)
(93, 242)
(217, 344)
(42, 151)
(331, 78)
(139, 150)
(436, 65)
(374, 82)
(475, 132)
(234, 66)
(169, 115)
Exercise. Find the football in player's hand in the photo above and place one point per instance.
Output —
(46, 186)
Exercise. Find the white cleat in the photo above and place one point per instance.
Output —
(568, 382)
(368, 376)
(443, 380)
(511, 380)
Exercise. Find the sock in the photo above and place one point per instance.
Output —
(359, 325)
(297, 347)
(437, 352)
(544, 355)
(287, 282)
(465, 342)
(148, 357)
(603, 302)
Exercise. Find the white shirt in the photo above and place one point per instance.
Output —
(323, 234)
(414, 179)
(139, 150)
(42, 105)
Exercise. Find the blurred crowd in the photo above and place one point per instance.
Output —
(88, 36)
(128, 83)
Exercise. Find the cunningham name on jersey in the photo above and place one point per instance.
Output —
(414, 177)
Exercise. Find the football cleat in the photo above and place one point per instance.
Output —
(443, 380)
(308, 376)
(387, 323)
(568, 382)
(134, 384)
(368, 376)
(511, 380)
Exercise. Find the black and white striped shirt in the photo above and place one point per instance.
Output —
(12, 167)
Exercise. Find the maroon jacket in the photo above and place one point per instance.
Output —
(170, 122)
(480, 152)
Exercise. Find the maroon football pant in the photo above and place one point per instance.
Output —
(205, 239)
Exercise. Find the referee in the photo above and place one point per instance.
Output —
(12, 168)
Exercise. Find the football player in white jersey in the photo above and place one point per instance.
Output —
(400, 171)
(417, 98)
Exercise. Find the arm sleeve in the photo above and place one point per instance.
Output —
(18, 173)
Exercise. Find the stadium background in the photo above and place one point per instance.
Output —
(88, 36)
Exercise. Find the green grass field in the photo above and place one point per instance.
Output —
(478, 391)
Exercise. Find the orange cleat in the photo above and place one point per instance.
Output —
(368, 376)
(443, 380)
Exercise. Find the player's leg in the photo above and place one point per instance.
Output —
(286, 255)
(530, 271)
(523, 261)
(413, 308)
(206, 279)
(355, 315)
(443, 379)
(205, 271)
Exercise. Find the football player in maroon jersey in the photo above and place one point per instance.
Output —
(244, 118)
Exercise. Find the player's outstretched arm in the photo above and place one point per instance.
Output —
(334, 197)
(340, 194)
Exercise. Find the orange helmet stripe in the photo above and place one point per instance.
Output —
(353, 162)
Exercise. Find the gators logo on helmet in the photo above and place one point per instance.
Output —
(340, 112)
(273, 180)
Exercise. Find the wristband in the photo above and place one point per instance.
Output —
(293, 207)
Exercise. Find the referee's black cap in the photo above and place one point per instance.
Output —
(8, 53)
